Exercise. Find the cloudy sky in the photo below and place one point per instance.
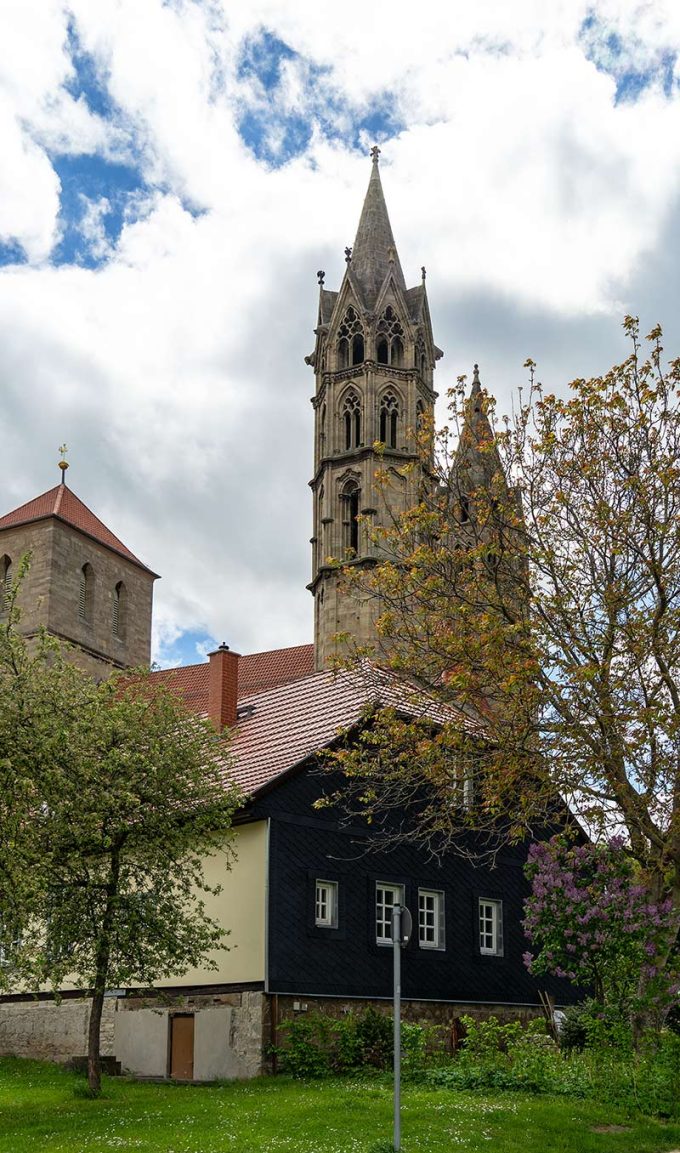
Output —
(174, 172)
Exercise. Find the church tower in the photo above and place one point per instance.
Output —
(374, 361)
(83, 585)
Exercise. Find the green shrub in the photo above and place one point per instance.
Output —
(485, 1039)
(306, 1051)
(573, 1032)
(496, 1057)
(349, 1048)
(317, 1045)
(375, 1033)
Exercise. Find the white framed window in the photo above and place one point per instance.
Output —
(326, 904)
(386, 897)
(490, 927)
(431, 919)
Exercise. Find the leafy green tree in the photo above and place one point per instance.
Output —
(536, 587)
(111, 798)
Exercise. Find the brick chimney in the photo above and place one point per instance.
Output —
(223, 687)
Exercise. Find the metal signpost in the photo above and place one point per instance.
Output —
(402, 926)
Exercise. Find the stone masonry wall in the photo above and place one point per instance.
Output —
(49, 596)
(232, 1026)
(230, 1031)
(51, 1031)
(33, 599)
(71, 550)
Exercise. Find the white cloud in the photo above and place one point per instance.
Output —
(93, 228)
(175, 372)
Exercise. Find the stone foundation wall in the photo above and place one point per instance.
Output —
(445, 1016)
(232, 1030)
(52, 1031)
(229, 1032)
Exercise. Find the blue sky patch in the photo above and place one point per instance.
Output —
(85, 180)
(87, 81)
(276, 131)
(187, 649)
(11, 253)
(631, 66)
(262, 56)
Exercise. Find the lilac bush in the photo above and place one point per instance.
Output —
(588, 920)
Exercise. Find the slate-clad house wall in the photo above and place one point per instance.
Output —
(310, 961)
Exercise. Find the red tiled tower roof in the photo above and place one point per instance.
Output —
(63, 504)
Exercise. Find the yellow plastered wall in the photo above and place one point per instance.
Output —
(240, 908)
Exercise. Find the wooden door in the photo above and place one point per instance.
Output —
(182, 1046)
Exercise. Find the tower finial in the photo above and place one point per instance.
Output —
(321, 276)
(476, 390)
(63, 463)
(348, 255)
(375, 153)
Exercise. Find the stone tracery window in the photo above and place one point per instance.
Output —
(350, 497)
(390, 339)
(322, 430)
(351, 420)
(350, 340)
(421, 357)
(389, 419)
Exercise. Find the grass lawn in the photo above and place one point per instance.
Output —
(40, 1110)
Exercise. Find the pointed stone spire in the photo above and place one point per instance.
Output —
(374, 252)
(475, 416)
(477, 463)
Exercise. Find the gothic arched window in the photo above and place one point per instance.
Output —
(350, 339)
(421, 357)
(319, 538)
(351, 420)
(420, 415)
(6, 582)
(390, 339)
(86, 593)
(389, 419)
(350, 497)
(118, 613)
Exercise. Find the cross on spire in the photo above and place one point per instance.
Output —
(375, 153)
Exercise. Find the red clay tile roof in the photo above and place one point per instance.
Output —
(191, 682)
(260, 671)
(62, 503)
(282, 727)
(256, 673)
(289, 720)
